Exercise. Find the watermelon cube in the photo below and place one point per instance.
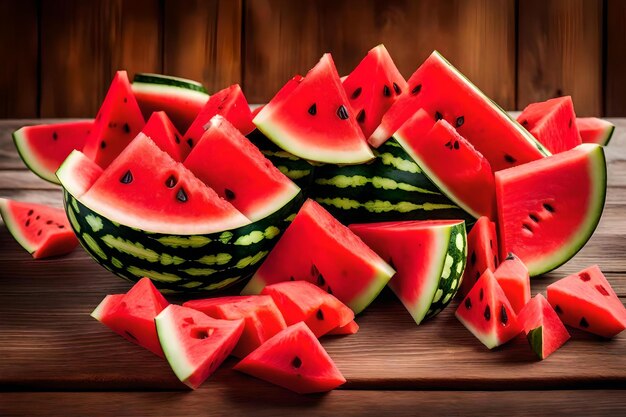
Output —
(543, 327)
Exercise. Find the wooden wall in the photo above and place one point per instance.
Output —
(59, 55)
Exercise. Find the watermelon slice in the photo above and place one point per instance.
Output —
(486, 313)
(553, 123)
(262, 318)
(302, 301)
(512, 275)
(442, 90)
(548, 209)
(543, 328)
(350, 328)
(586, 300)
(160, 129)
(228, 163)
(131, 315)
(469, 183)
(429, 257)
(180, 98)
(195, 345)
(482, 253)
(43, 148)
(319, 249)
(145, 188)
(118, 121)
(372, 87)
(594, 130)
(315, 121)
(78, 173)
(43, 231)
(294, 359)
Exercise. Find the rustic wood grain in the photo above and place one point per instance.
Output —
(560, 53)
(615, 93)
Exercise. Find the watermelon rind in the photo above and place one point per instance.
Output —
(174, 352)
(14, 228)
(22, 149)
(535, 339)
(166, 84)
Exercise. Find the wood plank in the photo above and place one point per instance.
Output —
(560, 53)
(615, 105)
(202, 41)
(283, 37)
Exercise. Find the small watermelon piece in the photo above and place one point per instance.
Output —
(43, 148)
(586, 301)
(317, 248)
(594, 130)
(429, 258)
(482, 253)
(43, 231)
(372, 87)
(350, 328)
(78, 173)
(294, 359)
(512, 275)
(262, 318)
(163, 133)
(543, 327)
(316, 121)
(548, 209)
(553, 123)
(302, 301)
(469, 183)
(117, 123)
(486, 313)
(180, 98)
(131, 315)
(145, 188)
(195, 345)
(231, 165)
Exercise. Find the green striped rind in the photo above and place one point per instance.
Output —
(169, 81)
(20, 142)
(535, 339)
(179, 263)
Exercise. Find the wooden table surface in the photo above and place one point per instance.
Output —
(56, 360)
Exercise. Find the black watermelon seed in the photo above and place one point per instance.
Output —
(524, 122)
(397, 89)
(456, 144)
(30, 212)
(459, 121)
(342, 112)
(438, 116)
(220, 107)
(27, 222)
(170, 182)
(481, 294)
(39, 232)
(527, 227)
(473, 258)
(468, 303)
(129, 334)
(181, 195)
(190, 142)
(61, 226)
(313, 110)
(296, 362)
(49, 222)
(356, 93)
(230, 194)
(127, 178)
(201, 334)
(584, 276)
(487, 313)
(602, 290)
(125, 100)
(320, 280)
(320, 314)
(55, 136)
(510, 257)
(38, 217)
(548, 207)
(292, 279)
(361, 116)
(584, 323)
(103, 145)
(386, 91)
(508, 158)
(504, 318)
(314, 271)
(534, 217)
(558, 309)
(177, 138)
(416, 89)
(570, 123)
(448, 144)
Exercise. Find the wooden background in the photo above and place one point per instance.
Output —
(59, 55)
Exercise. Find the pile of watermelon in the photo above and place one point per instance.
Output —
(336, 188)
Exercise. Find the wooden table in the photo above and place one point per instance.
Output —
(56, 360)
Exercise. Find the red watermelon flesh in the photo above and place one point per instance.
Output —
(512, 275)
(543, 327)
(548, 209)
(145, 188)
(195, 345)
(372, 87)
(443, 91)
(482, 253)
(302, 301)
(594, 130)
(350, 328)
(553, 123)
(231, 165)
(262, 318)
(163, 133)
(317, 248)
(487, 313)
(586, 300)
(294, 359)
(43, 231)
(118, 121)
(43, 148)
(315, 121)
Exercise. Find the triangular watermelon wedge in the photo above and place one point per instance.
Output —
(350, 328)
(482, 253)
(294, 359)
(512, 275)
(78, 173)
(543, 327)
(163, 133)
(595, 130)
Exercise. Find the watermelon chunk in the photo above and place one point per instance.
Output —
(195, 345)
(543, 328)
(228, 163)
(512, 275)
(294, 359)
(586, 300)
(319, 249)
(160, 129)
(552, 122)
(118, 121)
(440, 89)
(78, 173)
(350, 328)
(302, 301)
(316, 121)
(548, 209)
(372, 87)
(594, 130)
(43, 231)
(43, 148)
(482, 253)
(486, 313)
(262, 318)
(429, 258)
